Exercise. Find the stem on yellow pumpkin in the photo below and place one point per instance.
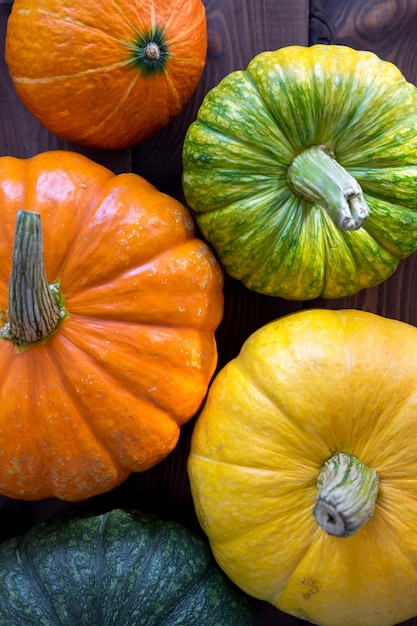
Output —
(318, 177)
(347, 493)
(34, 310)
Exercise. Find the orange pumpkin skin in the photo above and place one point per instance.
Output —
(106, 393)
(79, 67)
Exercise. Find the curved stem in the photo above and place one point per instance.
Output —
(347, 493)
(319, 178)
(33, 311)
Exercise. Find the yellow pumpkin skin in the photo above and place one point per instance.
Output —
(105, 394)
(303, 388)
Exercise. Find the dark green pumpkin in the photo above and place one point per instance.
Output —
(302, 171)
(118, 568)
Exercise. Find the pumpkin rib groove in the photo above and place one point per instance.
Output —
(286, 131)
(246, 468)
(188, 597)
(81, 409)
(257, 148)
(99, 562)
(303, 556)
(173, 91)
(189, 26)
(116, 110)
(89, 209)
(184, 236)
(163, 403)
(52, 481)
(291, 420)
(51, 79)
(390, 524)
(27, 565)
(78, 24)
(84, 410)
(169, 608)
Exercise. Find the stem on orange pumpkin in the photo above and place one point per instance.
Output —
(152, 52)
(318, 177)
(347, 493)
(34, 307)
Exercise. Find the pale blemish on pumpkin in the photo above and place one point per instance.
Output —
(312, 586)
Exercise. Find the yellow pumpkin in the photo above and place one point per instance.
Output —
(303, 467)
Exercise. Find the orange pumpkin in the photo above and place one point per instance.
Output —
(106, 74)
(98, 371)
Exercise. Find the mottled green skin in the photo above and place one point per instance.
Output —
(116, 568)
(248, 130)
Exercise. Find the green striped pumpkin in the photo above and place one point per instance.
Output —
(302, 171)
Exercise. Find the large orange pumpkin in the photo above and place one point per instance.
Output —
(106, 74)
(98, 373)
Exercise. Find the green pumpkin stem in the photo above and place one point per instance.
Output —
(317, 176)
(34, 310)
(347, 493)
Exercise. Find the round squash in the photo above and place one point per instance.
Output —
(116, 568)
(105, 74)
(303, 467)
(107, 337)
(302, 171)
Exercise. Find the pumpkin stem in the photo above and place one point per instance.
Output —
(316, 176)
(34, 306)
(347, 494)
(152, 52)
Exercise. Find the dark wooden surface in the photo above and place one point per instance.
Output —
(238, 30)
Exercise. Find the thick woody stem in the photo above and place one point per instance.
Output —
(318, 177)
(347, 493)
(33, 312)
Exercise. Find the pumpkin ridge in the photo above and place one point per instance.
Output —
(285, 132)
(303, 555)
(77, 399)
(282, 414)
(179, 36)
(34, 579)
(104, 374)
(173, 414)
(189, 594)
(41, 453)
(51, 79)
(174, 92)
(295, 424)
(125, 284)
(187, 61)
(175, 10)
(122, 461)
(94, 128)
(110, 185)
(257, 147)
(72, 21)
(99, 561)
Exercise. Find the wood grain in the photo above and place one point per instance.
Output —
(238, 30)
